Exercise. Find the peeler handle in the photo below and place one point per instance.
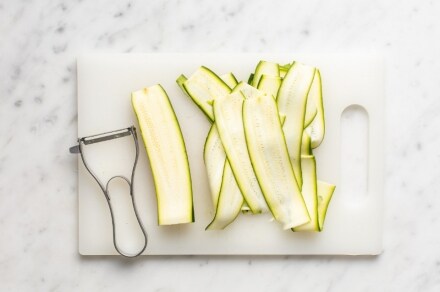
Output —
(115, 233)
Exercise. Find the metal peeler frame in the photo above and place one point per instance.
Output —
(79, 149)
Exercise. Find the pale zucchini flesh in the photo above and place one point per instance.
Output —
(292, 101)
(239, 87)
(270, 161)
(249, 91)
(228, 118)
(166, 151)
(270, 85)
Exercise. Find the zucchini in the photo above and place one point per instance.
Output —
(264, 68)
(219, 180)
(316, 129)
(239, 87)
(167, 154)
(251, 77)
(214, 157)
(230, 201)
(313, 190)
(203, 87)
(292, 100)
(250, 164)
(249, 91)
(325, 193)
(226, 195)
(311, 109)
(309, 193)
(228, 118)
(229, 79)
(270, 161)
(180, 80)
(270, 84)
(233, 83)
(284, 68)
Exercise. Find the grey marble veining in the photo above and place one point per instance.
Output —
(39, 41)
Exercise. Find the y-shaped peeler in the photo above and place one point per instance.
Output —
(79, 149)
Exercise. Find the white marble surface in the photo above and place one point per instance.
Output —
(39, 41)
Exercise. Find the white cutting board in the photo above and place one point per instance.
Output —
(354, 222)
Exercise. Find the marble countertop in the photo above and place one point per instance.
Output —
(39, 42)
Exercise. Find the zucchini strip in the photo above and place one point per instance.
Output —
(233, 83)
(316, 129)
(292, 100)
(270, 161)
(230, 201)
(215, 158)
(325, 193)
(167, 154)
(309, 193)
(228, 118)
(264, 68)
(226, 196)
(203, 87)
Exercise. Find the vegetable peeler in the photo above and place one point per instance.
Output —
(79, 149)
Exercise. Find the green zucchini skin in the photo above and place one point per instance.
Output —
(270, 161)
(251, 77)
(292, 101)
(166, 151)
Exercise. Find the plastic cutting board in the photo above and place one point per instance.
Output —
(354, 223)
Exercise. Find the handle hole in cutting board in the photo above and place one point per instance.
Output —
(354, 154)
